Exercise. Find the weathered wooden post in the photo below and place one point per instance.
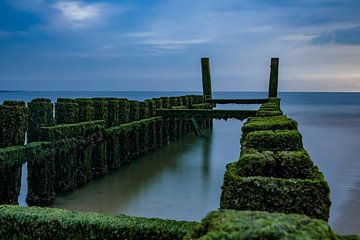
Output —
(206, 79)
(274, 76)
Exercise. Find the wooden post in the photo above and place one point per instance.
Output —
(206, 79)
(274, 76)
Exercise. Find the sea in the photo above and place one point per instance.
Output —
(183, 180)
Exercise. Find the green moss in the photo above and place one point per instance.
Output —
(185, 101)
(66, 131)
(100, 109)
(11, 160)
(113, 113)
(48, 223)
(158, 103)
(144, 111)
(66, 163)
(173, 129)
(124, 114)
(189, 100)
(180, 101)
(270, 108)
(304, 196)
(197, 99)
(163, 133)
(151, 105)
(134, 111)
(229, 224)
(130, 140)
(40, 115)
(279, 140)
(13, 123)
(152, 144)
(268, 113)
(41, 173)
(166, 102)
(14, 103)
(269, 123)
(81, 145)
(86, 109)
(283, 164)
(66, 111)
(174, 101)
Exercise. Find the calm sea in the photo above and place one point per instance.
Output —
(183, 180)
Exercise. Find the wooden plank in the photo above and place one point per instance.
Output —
(206, 78)
(206, 113)
(237, 101)
(274, 76)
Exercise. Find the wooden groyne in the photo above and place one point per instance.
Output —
(85, 139)
(274, 190)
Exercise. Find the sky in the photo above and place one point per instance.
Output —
(142, 45)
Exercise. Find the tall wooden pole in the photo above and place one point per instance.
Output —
(274, 77)
(206, 79)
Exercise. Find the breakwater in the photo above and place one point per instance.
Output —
(271, 150)
(82, 140)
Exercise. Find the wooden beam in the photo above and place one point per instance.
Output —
(237, 101)
(274, 76)
(206, 78)
(206, 113)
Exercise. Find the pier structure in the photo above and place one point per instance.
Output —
(273, 191)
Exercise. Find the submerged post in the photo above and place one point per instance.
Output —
(206, 79)
(274, 76)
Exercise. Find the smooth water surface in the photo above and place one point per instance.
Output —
(183, 180)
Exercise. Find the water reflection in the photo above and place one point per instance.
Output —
(181, 181)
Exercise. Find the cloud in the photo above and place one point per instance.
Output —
(78, 14)
(77, 11)
(316, 41)
(162, 40)
(299, 37)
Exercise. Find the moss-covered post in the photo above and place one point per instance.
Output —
(86, 109)
(41, 173)
(206, 79)
(40, 115)
(113, 112)
(134, 110)
(11, 160)
(274, 76)
(66, 111)
(13, 123)
(100, 109)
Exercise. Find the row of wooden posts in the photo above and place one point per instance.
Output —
(206, 78)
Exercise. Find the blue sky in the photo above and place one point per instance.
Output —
(157, 45)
